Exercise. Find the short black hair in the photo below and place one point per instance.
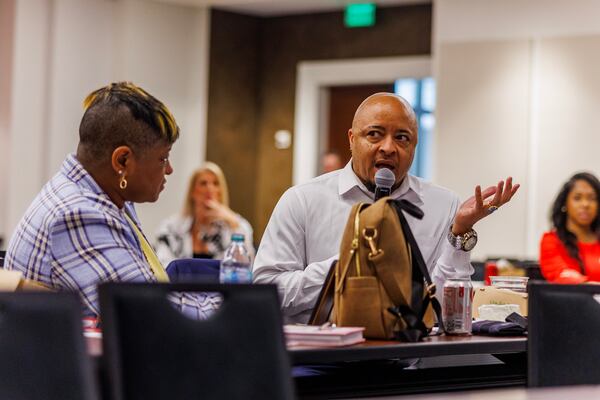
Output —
(123, 114)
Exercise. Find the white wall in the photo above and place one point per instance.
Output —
(64, 49)
(486, 20)
(479, 83)
(171, 61)
(28, 122)
(569, 116)
(517, 95)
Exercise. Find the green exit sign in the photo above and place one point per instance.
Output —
(359, 15)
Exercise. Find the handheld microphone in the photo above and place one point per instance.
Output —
(384, 180)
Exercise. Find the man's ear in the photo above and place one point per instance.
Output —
(350, 138)
(121, 158)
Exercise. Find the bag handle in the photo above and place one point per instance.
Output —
(405, 205)
(408, 207)
(324, 305)
(342, 270)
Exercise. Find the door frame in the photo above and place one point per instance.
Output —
(313, 78)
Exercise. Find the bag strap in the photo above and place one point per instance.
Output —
(354, 249)
(415, 328)
(418, 261)
(403, 309)
(324, 305)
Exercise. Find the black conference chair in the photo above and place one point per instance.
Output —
(564, 346)
(42, 348)
(154, 352)
(194, 270)
(478, 270)
(532, 269)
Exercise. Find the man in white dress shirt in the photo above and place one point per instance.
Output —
(303, 236)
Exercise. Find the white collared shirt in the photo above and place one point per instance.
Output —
(303, 236)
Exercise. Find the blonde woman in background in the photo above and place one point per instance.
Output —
(204, 228)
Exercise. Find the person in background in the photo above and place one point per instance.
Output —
(303, 236)
(331, 161)
(204, 228)
(82, 228)
(570, 252)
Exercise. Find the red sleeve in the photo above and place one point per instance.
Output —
(554, 259)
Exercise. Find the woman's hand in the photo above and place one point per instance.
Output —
(477, 207)
(216, 211)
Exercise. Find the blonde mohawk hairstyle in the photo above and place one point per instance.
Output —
(142, 105)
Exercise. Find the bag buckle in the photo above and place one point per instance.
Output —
(370, 234)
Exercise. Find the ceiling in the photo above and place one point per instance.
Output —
(270, 8)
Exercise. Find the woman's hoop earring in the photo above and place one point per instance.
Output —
(122, 181)
(563, 209)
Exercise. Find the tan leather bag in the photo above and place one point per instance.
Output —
(381, 281)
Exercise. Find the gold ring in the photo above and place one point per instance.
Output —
(491, 209)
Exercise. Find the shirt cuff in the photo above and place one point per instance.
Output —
(456, 263)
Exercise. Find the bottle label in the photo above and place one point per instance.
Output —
(235, 272)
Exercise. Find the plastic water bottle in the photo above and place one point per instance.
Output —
(236, 265)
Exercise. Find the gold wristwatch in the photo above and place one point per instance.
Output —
(464, 242)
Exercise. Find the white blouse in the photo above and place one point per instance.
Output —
(173, 238)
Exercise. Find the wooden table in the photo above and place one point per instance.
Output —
(447, 363)
(430, 347)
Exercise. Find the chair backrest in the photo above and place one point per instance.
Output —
(42, 348)
(564, 346)
(532, 269)
(479, 270)
(194, 270)
(155, 352)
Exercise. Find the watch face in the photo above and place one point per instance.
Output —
(470, 243)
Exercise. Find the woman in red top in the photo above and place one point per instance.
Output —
(570, 253)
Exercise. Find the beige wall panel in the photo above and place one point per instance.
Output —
(74, 70)
(63, 49)
(482, 132)
(28, 123)
(569, 116)
(164, 49)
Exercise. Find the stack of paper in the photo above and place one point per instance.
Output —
(315, 336)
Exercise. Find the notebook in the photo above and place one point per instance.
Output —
(318, 336)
